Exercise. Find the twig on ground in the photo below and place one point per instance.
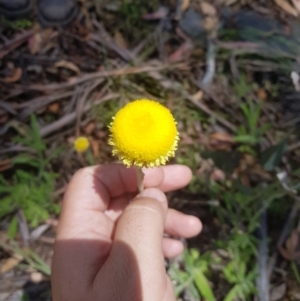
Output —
(173, 85)
(262, 280)
(109, 73)
(282, 177)
(265, 66)
(15, 42)
(246, 46)
(44, 101)
(293, 147)
(139, 88)
(180, 203)
(104, 38)
(50, 128)
(210, 63)
(59, 135)
(7, 107)
(208, 111)
(81, 102)
(37, 232)
(47, 240)
(161, 39)
(15, 148)
(59, 191)
(209, 93)
(13, 93)
(69, 107)
(136, 51)
(23, 227)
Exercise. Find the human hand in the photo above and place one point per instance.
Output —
(110, 244)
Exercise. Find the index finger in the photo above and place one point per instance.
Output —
(92, 187)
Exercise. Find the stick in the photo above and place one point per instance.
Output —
(208, 111)
(210, 63)
(140, 178)
(81, 101)
(262, 280)
(100, 74)
(50, 128)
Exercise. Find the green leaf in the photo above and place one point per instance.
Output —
(194, 254)
(246, 139)
(203, 286)
(6, 206)
(232, 294)
(39, 263)
(13, 228)
(188, 259)
(271, 157)
(3, 181)
(230, 277)
(242, 87)
(194, 291)
(37, 141)
(26, 159)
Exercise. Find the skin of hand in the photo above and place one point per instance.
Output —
(110, 243)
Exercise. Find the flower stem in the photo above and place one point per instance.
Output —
(140, 178)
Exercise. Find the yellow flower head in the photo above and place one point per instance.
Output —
(81, 144)
(144, 133)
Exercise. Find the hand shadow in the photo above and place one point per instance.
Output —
(102, 269)
(114, 277)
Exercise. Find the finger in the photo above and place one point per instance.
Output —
(167, 178)
(89, 193)
(84, 203)
(172, 247)
(92, 188)
(180, 224)
(88, 196)
(137, 247)
(118, 179)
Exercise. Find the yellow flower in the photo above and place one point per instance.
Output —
(81, 144)
(144, 133)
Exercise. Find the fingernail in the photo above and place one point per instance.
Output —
(153, 193)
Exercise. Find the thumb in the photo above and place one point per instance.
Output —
(140, 230)
(142, 222)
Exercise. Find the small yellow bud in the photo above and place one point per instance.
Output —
(81, 144)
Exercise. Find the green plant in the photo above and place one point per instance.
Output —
(33, 260)
(193, 276)
(240, 270)
(295, 271)
(242, 87)
(243, 281)
(31, 194)
(251, 133)
(243, 204)
(30, 189)
(237, 269)
(131, 11)
(241, 209)
(17, 24)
